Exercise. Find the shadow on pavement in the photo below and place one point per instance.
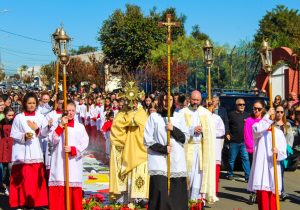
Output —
(294, 199)
(232, 197)
(236, 189)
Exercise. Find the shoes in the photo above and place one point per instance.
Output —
(283, 196)
(252, 199)
(230, 178)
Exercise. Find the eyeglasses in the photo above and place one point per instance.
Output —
(279, 112)
(241, 104)
(257, 108)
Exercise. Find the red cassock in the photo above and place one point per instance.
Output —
(6, 143)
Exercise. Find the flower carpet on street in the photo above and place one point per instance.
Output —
(95, 185)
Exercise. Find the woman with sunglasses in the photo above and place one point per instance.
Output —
(261, 178)
(282, 123)
(257, 114)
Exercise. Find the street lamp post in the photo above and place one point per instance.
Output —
(266, 58)
(208, 60)
(61, 48)
(55, 45)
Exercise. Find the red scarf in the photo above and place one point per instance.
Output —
(71, 123)
(29, 113)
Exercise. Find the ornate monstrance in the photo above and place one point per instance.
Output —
(132, 93)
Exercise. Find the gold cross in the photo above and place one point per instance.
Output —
(169, 24)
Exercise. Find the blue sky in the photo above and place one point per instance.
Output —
(226, 21)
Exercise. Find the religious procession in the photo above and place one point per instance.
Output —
(183, 124)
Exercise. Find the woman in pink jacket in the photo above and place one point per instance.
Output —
(257, 114)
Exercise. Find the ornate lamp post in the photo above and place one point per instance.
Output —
(208, 60)
(266, 59)
(61, 49)
(55, 48)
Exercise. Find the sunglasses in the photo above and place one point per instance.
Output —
(279, 112)
(241, 104)
(257, 108)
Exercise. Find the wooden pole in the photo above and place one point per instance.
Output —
(169, 24)
(169, 100)
(209, 103)
(274, 145)
(66, 141)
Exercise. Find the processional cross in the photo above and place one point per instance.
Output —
(169, 25)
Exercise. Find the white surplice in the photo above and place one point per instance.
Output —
(55, 121)
(220, 132)
(77, 137)
(26, 151)
(155, 132)
(262, 170)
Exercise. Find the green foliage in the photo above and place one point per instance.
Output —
(127, 37)
(48, 74)
(2, 75)
(281, 27)
(2, 72)
(83, 50)
(197, 34)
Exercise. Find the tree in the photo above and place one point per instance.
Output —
(83, 50)
(197, 34)
(48, 74)
(79, 71)
(179, 74)
(2, 72)
(128, 37)
(22, 69)
(27, 79)
(281, 27)
(16, 76)
(187, 53)
(2, 75)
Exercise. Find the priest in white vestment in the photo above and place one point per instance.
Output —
(200, 150)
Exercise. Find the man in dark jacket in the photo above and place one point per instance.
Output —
(236, 138)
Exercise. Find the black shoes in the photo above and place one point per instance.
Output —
(252, 199)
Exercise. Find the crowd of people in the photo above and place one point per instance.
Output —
(32, 149)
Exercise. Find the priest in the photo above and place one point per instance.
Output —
(129, 180)
(200, 150)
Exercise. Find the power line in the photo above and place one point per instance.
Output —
(27, 58)
(30, 38)
(21, 52)
(25, 37)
